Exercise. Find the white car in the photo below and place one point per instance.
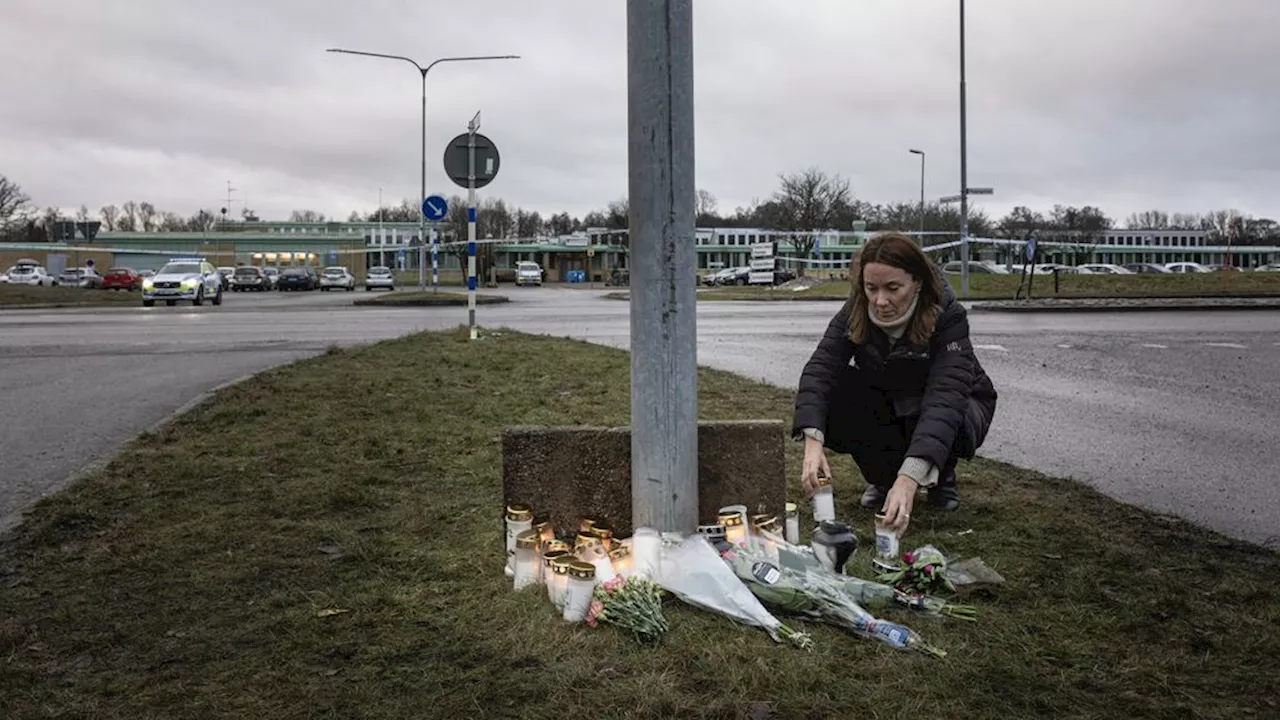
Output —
(31, 275)
(379, 277)
(337, 277)
(976, 267)
(1106, 269)
(528, 273)
(192, 279)
(1186, 267)
(1273, 267)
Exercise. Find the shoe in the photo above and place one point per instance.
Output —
(944, 497)
(873, 497)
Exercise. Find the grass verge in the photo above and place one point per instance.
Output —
(24, 295)
(324, 540)
(415, 298)
(988, 287)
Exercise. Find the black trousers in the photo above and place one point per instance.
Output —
(883, 439)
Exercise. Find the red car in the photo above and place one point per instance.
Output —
(122, 278)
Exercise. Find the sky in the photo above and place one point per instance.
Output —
(1128, 105)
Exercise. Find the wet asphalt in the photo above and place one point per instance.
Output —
(1176, 412)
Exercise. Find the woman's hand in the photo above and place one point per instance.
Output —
(815, 466)
(898, 504)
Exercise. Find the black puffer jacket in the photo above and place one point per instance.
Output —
(862, 394)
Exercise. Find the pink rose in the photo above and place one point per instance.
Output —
(595, 609)
(928, 569)
(614, 584)
(908, 558)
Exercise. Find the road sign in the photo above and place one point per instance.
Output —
(1031, 249)
(435, 208)
(457, 158)
(950, 199)
(981, 191)
(760, 277)
(760, 264)
(762, 250)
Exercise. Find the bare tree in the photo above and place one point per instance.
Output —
(82, 215)
(146, 216)
(129, 217)
(13, 202)
(706, 210)
(810, 200)
(110, 216)
(306, 216)
(171, 222)
(1148, 220)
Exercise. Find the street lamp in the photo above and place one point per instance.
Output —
(964, 174)
(921, 154)
(422, 215)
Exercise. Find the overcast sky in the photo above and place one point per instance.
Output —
(1125, 104)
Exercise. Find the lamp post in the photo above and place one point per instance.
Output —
(964, 174)
(422, 215)
(921, 154)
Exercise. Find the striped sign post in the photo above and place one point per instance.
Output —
(471, 160)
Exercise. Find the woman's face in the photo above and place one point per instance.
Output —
(889, 290)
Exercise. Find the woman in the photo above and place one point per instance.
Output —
(895, 383)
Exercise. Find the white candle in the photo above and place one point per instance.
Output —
(582, 585)
(646, 553)
(793, 524)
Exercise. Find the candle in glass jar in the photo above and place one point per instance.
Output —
(581, 587)
(620, 556)
(528, 566)
(595, 554)
(558, 583)
(585, 525)
(646, 553)
(546, 531)
(519, 519)
(735, 531)
(824, 501)
(793, 524)
(554, 544)
(604, 533)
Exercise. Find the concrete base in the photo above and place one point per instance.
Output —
(567, 473)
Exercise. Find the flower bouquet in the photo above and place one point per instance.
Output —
(923, 572)
(836, 607)
(694, 572)
(633, 604)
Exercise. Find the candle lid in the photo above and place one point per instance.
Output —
(551, 545)
(550, 556)
(560, 564)
(823, 481)
(730, 519)
(585, 524)
(587, 541)
(620, 552)
(518, 512)
(602, 531)
(791, 508)
(528, 540)
(582, 570)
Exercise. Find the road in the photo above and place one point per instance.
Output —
(1177, 412)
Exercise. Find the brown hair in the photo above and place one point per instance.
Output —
(895, 250)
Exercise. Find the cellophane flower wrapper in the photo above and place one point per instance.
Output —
(694, 572)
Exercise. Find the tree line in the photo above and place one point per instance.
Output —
(810, 199)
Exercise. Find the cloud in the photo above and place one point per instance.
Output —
(1133, 105)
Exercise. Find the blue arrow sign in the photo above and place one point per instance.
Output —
(1031, 249)
(435, 208)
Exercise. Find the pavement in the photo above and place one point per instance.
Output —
(1128, 304)
(1173, 411)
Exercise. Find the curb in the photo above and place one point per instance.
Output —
(1143, 307)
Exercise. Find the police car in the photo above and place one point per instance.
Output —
(193, 279)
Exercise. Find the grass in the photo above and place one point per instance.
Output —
(428, 298)
(324, 540)
(989, 287)
(61, 296)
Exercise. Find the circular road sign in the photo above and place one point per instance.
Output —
(457, 160)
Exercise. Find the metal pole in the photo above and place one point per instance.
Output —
(664, 398)
(471, 227)
(435, 259)
(921, 154)
(422, 194)
(964, 174)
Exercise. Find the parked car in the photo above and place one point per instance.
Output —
(1106, 269)
(379, 276)
(783, 275)
(1048, 268)
(226, 272)
(193, 279)
(297, 278)
(713, 278)
(273, 274)
(976, 267)
(122, 278)
(85, 277)
(1219, 268)
(528, 273)
(1186, 267)
(1146, 268)
(337, 278)
(1273, 267)
(248, 277)
(144, 274)
(31, 275)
